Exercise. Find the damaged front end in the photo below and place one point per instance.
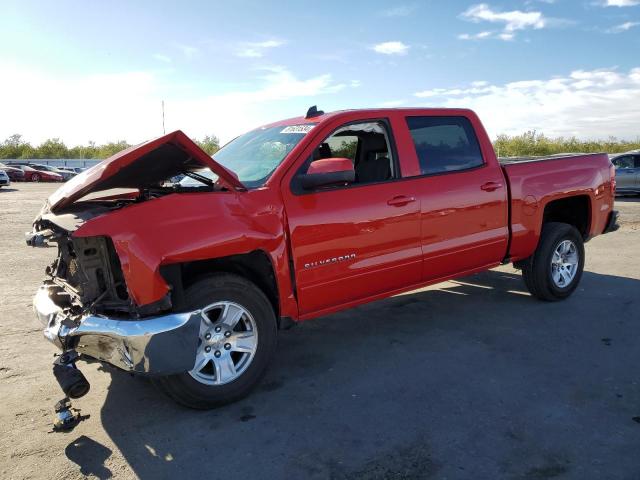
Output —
(84, 305)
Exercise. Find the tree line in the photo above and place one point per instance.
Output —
(533, 143)
(528, 144)
(17, 147)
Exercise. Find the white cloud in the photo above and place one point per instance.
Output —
(620, 3)
(127, 105)
(513, 21)
(188, 51)
(257, 49)
(476, 36)
(391, 48)
(623, 27)
(162, 58)
(585, 103)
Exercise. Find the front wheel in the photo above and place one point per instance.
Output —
(554, 270)
(237, 339)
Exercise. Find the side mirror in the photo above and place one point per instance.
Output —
(328, 171)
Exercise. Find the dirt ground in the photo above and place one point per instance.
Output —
(467, 379)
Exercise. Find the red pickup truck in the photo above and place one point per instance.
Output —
(189, 282)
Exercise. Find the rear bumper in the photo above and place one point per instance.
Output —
(162, 345)
(612, 222)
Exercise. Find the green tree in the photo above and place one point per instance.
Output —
(52, 148)
(209, 144)
(111, 148)
(14, 147)
(346, 149)
(532, 143)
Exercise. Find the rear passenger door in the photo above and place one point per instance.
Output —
(463, 197)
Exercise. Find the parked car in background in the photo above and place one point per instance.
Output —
(4, 179)
(33, 175)
(66, 175)
(627, 172)
(73, 169)
(46, 168)
(15, 174)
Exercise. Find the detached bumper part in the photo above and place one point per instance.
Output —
(38, 239)
(161, 345)
(71, 380)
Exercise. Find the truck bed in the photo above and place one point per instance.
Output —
(534, 182)
(541, 158)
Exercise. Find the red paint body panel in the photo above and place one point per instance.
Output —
(90, 179)
(195, 226)
(330, 165)
(535, 184)
(354, 244)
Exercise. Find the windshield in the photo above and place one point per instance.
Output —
(255, 155)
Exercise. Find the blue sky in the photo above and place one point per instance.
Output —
(98, 71)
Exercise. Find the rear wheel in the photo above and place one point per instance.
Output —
(35, 177)
(236, 341)
(554, 270)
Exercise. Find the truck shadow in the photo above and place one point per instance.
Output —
(385, 387)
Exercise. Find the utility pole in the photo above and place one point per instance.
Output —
(163, 130)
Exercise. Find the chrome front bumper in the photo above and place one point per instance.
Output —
(163, 345)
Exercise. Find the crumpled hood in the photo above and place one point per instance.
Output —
(141, 166)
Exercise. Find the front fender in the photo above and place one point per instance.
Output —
(185, 227)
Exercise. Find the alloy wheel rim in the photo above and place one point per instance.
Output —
(228, 340)
(564, 263)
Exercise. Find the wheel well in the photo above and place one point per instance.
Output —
(572, 210)
(254, 266)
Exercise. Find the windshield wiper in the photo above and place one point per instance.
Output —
(200, 178)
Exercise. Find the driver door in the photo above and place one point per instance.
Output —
(356, 241)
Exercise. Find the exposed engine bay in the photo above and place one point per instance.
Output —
(86, 270)
(89, 271)
(86, 274)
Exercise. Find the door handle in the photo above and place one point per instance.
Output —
(491, 186)
(400, 201)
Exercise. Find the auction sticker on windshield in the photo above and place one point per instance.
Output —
(304, 129)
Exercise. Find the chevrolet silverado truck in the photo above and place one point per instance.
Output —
(189, 282)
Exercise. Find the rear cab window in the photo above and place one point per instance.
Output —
(444, 144)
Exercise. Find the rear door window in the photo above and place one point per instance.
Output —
(624, 162)
(444, 144)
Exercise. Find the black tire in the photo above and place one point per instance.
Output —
(188, 391)
(35, 177)
(537, 269)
